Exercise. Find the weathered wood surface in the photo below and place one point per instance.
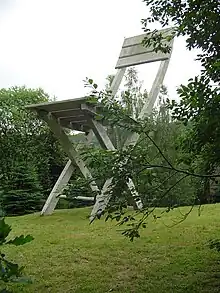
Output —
(76, 114)
(133, 51)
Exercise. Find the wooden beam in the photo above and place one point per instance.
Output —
(117, 81)
(68, 147)
(101, 135)
(83, 198)
(137, 40)
(144, 58)
(148, 106)
(58, 188)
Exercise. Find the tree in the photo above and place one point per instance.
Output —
(199, 105)
(28, 151)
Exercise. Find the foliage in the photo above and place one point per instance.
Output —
(9, 271)
(190, 19)
(199, 105)
(29, 153)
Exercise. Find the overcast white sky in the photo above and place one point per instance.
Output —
(55, 44)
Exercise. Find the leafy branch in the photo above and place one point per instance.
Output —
(9, 271)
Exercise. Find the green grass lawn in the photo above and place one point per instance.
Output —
(69, 255)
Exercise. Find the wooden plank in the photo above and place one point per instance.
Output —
(117, 81)
(88, 109)
(102, 200)
(67, 113)
(83, 198)
(135, 194)
(69, 148)
(58, 105)
(137, 40)
(78, 127)
(155, 90)
(58, 188)
(101, 135)
(134, 50)
(75, 120)
(141, 59)
(80, 120)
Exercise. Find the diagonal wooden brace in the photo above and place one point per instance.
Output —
(75, 158)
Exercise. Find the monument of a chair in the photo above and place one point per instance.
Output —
(77, 114)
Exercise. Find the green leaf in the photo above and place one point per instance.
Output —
(90, 81)
(20, 240)
(5, 229)
(92, 100)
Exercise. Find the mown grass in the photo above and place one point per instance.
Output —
(69, 255)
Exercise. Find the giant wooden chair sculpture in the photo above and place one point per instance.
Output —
(76, 114)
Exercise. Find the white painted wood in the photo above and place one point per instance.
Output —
(58, 188)
(135, 194)
(137, 40)
(141, 59)
(83, 198)
(58, 105)
(69, 148)
(101, 135)
(102, 200)
(134, 50)
(68, 113)
(117, 81)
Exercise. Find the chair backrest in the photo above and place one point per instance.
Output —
(134, 53)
